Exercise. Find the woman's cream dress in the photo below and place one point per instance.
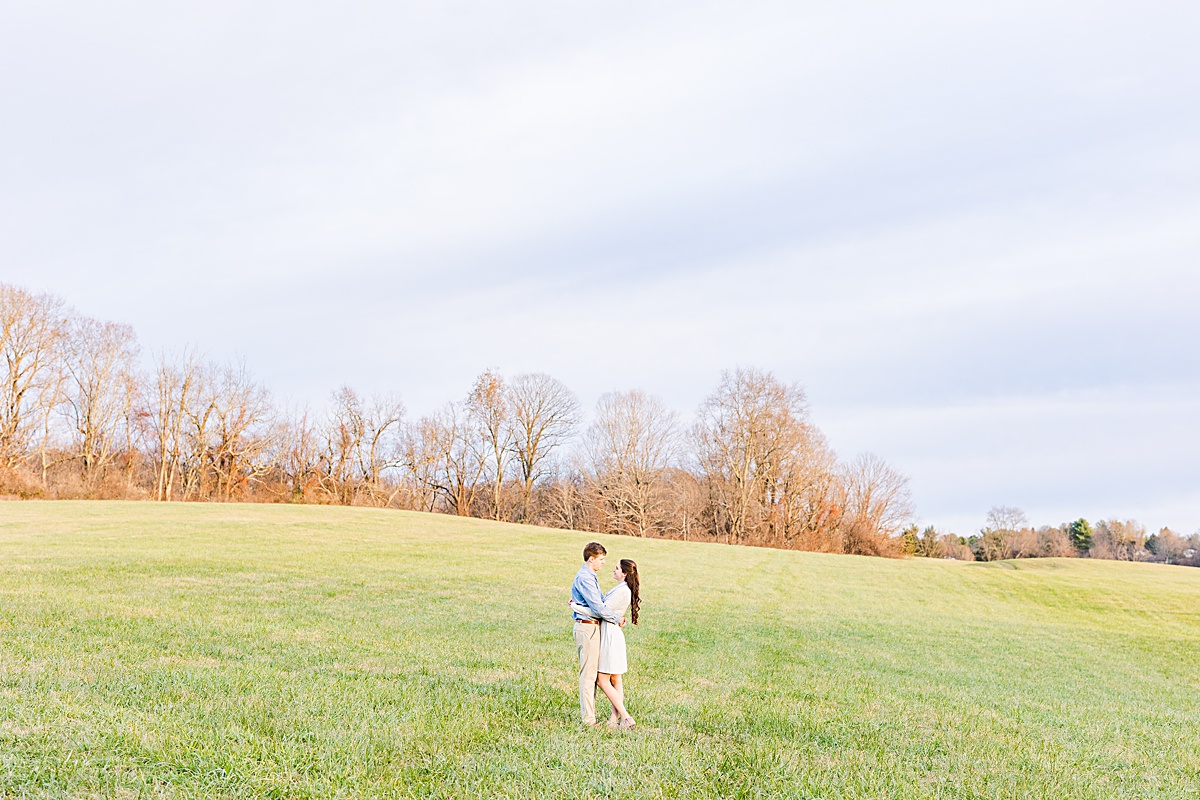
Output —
(612, 638)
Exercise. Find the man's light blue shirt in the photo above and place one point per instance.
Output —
(585, 590)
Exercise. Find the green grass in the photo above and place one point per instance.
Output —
(257, 651)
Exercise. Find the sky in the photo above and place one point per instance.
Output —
(972, 234)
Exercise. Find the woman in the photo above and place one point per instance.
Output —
(613, 662)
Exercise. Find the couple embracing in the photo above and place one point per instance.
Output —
(598, 635)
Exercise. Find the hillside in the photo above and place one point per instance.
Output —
(246, 650)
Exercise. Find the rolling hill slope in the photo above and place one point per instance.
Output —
(258, 651)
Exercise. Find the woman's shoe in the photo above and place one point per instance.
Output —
(626, 724)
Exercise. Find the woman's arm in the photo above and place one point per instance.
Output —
(583, 610)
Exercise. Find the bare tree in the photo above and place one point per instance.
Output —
(197, 424)
(755, 450)
(1006, 518)
(878, 504)
(343, 437)
(242, 414)
(1006, 535)
(99, 361)
(1053, 543)
(380, 452)
(31, 332)
(1119, 540)
(489, 409)
(135, 425)
(459, 463)
(421, 457)
(544, 414)
(685, 503)
(51, 399)
(172, 393)
(298, 456)
(630, 444)
(808, 495)
(363, 442)
(226, 425)
(562, 499)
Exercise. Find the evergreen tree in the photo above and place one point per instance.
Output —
(1080, 532)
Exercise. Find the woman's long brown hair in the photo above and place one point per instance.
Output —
(631, 580)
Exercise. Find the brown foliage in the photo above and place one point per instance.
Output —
(1119, 540)
(78, 419)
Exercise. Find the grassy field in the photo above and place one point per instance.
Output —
(254, 651)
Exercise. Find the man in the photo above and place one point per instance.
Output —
(585, 590)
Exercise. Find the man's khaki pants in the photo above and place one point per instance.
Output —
(587, 642)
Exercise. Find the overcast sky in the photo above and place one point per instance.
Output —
(971, 233)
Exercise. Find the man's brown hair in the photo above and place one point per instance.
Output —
(593, 549)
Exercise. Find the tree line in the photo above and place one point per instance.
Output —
(1009, 535)
(82, 417)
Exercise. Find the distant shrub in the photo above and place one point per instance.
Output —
(1044, 542)
(1119, 541)
(19, 483)
(1168, 547)
(931, 544)
(1115, 540)
(1054, 543)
